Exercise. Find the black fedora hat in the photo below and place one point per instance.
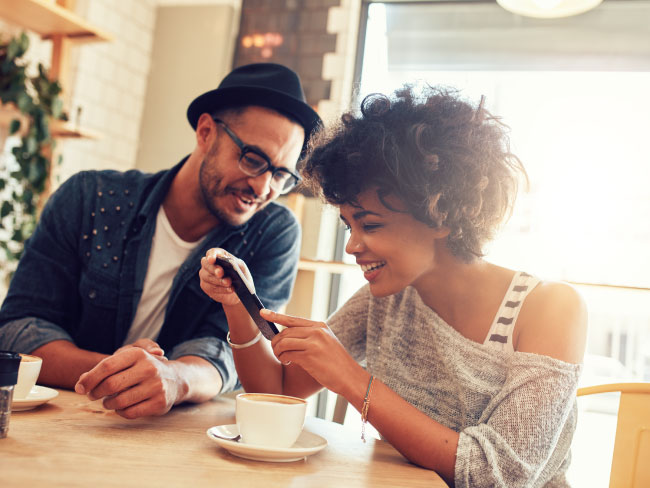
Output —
(266, 84)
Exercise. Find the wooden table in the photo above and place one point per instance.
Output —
(71, 442)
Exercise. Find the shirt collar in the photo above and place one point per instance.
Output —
(159, 190)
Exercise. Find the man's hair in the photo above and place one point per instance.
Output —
(448, 161)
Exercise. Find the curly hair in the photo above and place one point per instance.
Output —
(448, 162)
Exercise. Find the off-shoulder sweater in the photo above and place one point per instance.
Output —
(515, 411)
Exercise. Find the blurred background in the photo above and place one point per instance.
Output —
(573, 89)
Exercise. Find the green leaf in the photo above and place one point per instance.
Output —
(13, 49)
(24, 42)
(42, 127)
(28, 195)
(31, 144)
(36, 176)
(24, 102)
(14, 126)
(57, 108)
(5, 209)
(30, 225)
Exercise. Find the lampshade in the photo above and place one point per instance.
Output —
(548, 9)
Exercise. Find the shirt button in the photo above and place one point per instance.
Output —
(92, 294)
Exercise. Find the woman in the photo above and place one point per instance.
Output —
(470, 368)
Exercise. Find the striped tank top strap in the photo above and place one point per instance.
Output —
(500, 334)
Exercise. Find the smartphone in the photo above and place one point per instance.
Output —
(244, 290)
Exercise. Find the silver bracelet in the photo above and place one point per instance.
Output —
(253, 341)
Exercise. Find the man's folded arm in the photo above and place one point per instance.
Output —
(63, 361)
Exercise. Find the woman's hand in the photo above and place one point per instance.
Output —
(215, 283)
(314, 347)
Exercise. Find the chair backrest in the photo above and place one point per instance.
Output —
(631, 460)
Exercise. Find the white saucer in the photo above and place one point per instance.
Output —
(307, 444)
(37, 396)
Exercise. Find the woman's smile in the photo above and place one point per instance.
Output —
(371, 270)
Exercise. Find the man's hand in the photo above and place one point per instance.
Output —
(134, 383)
(148, 345)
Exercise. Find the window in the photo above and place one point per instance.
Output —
(580, 130)
(575, 93)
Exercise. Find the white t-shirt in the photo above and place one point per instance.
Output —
(168, 252)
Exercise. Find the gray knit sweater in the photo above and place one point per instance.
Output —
(515, 412)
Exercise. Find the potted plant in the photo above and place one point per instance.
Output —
(28, 103)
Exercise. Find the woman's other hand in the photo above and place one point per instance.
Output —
(215, 283)
(314, 347)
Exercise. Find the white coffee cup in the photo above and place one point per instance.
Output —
(30, 367)
(264, 419)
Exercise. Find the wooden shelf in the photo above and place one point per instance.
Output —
(48, 19)
(58, 128)
(63, 129)
(330, 266)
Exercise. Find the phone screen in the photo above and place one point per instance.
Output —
(249, 299)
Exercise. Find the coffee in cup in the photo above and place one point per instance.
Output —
(269, 420)
(30, 367)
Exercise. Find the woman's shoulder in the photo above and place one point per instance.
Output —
(553, 322)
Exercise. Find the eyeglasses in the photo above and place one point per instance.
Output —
(254, 162)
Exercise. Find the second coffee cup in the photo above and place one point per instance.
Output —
(269, 420)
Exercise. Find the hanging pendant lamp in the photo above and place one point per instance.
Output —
(548, 9)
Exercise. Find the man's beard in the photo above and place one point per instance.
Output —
(211, 185)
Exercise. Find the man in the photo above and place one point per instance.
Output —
(109, 280)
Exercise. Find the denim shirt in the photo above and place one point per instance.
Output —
(82, 273)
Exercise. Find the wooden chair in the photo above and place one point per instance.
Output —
(631, 459)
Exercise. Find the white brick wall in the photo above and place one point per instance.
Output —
(107, 82)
